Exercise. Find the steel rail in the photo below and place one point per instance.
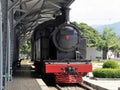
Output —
(85, 86)
(58, 87)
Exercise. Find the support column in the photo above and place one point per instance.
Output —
(12, 41)
(5, 41)
(1, 50)
(8, 49)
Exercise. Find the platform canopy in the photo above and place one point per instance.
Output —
(28, 14)
(18, 19)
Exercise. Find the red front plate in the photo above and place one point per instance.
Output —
(57, 68)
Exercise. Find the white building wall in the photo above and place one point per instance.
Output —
(111, 54)
(92, 53)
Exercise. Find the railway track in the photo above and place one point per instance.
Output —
(85, 86)
(78, 86)
(81, 86)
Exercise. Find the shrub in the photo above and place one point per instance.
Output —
(98, 57)
(106, 73)
(111, 64)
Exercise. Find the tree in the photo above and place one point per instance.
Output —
(107, 40)
(110, 41)
(117, 48)
(26, 48)
(93, 36)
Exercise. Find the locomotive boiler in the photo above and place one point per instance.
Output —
(59, 48)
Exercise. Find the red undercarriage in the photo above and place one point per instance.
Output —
(68, 73)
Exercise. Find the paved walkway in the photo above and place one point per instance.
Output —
(112, 84)
(23, 80)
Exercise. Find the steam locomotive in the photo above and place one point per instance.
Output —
(58, 48)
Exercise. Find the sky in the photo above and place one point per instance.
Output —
(95, 12)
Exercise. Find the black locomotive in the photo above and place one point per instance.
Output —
(59, 48)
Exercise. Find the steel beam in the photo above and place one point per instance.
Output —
(69, 3)
(28, 12)
(55, 5)
(13, 5)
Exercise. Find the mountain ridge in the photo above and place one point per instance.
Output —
(115, 26)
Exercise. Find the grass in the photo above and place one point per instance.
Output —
(101, 61)
(95, 61)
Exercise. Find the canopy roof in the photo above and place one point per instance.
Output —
(28, 14)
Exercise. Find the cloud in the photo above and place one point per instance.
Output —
(95, 11)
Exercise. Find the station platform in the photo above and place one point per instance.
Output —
(103, 84)
(24, 79)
